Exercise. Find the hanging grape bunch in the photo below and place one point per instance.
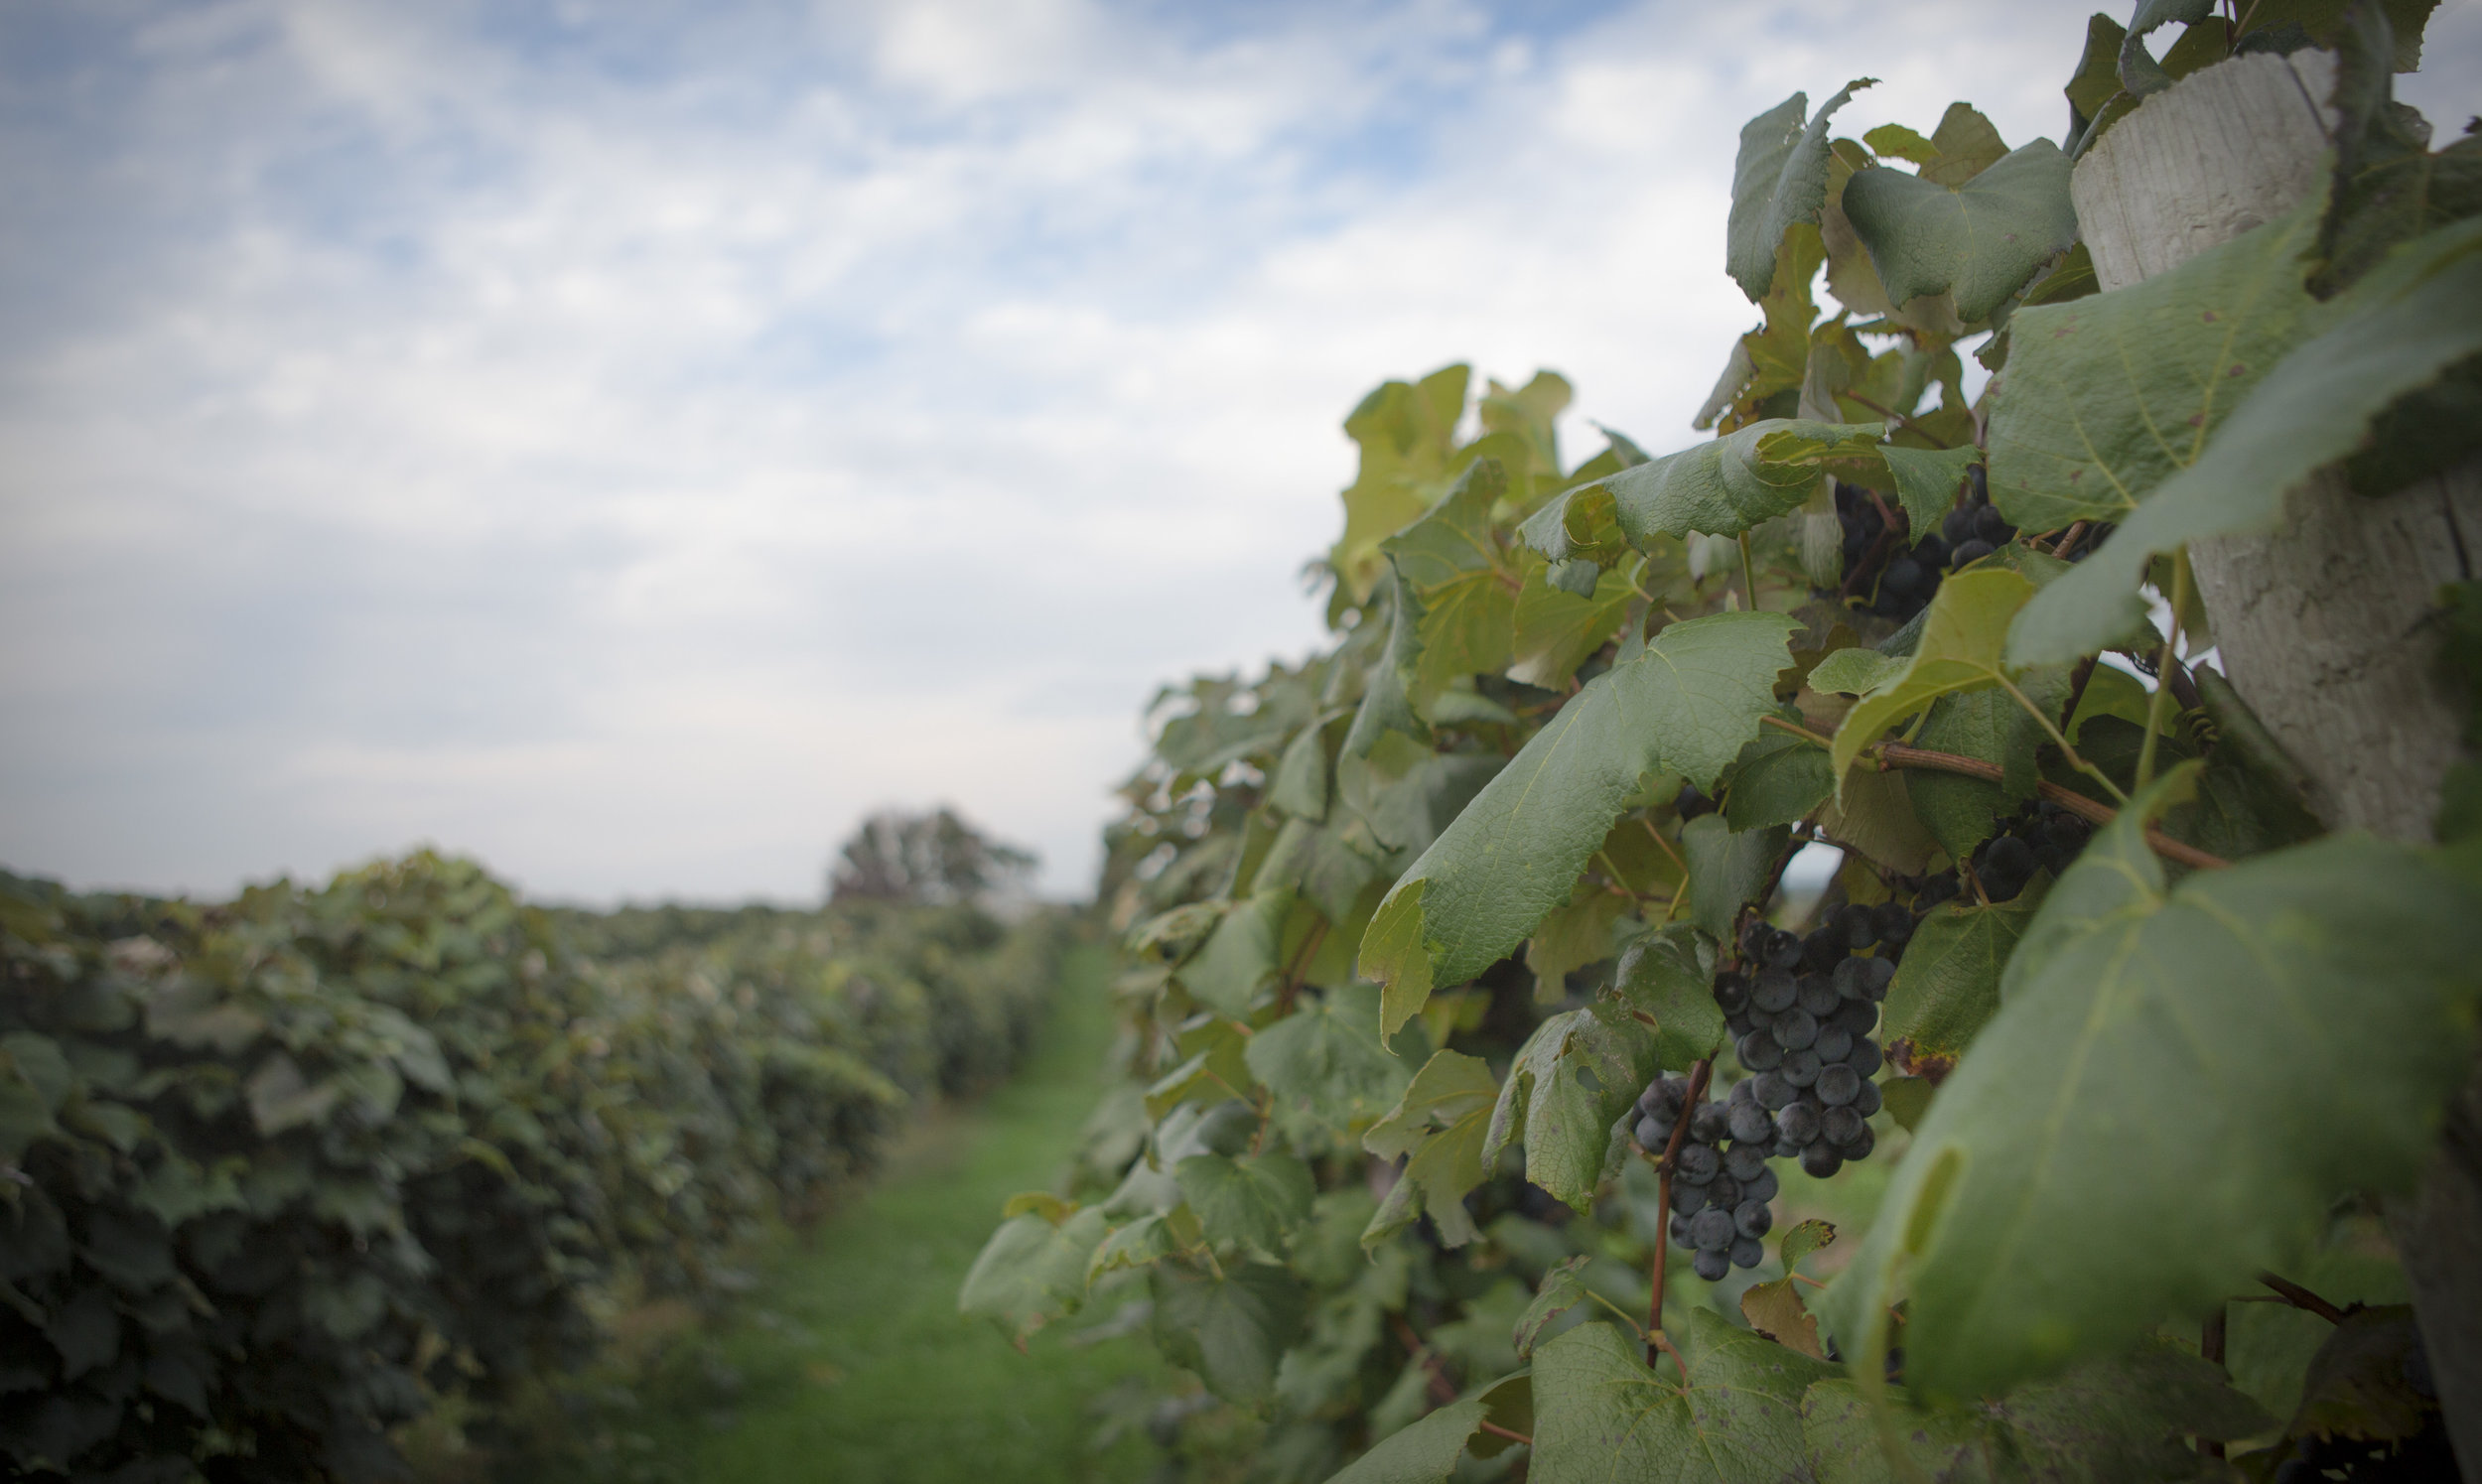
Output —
(1801, 1019)
(1975, 528)
(2041, 836)
(1721, 1183)
(1906, 576)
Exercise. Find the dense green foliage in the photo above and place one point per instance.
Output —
(282, 1172)
(1411, 923)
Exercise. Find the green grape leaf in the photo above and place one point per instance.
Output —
(2116, 1419)
(1874, 815)
(1299, 787)
(1424, 1452)
(1326, 1059)
(1727, 868)
(2104, 397)
(1669, 974)
(1856, 671)
(1572, 1079)
(1450, 558)
(2097, 76)
(1601, 1416)
(1242, 956)
(1779, 178)
(1804, 1239)
(1727, 485)
(1232, 1328)
(1407, 435)
(1949, 983)
(1561, 1291)
(2047, 1210)
(1962, 811)
(1979, 241)
(1685, 704)
(1140, 1244)
(1779, 779)
(1556, 630)
(1254, 1202)
(1927, 479)
(1440, 1123)
(1575, 934)
(2398, 329)
(1964, 633)
(1387, 704)
(1032, 1271)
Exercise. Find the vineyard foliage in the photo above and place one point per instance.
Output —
(1409, 924)
(281, 1174)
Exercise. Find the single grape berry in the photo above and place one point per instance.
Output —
(1817, 994)
(1760, 1051)
(1731, 993)
(1891, 921)
(2006, 856)
(1796, 1029)
(1881, 973)
(1783, 950)
(1685, 1197)
(1746, 1252)
(1801, 1068)
(1869, 1100)
(1866, 1059)
(1994, 528)
(1741, 1092)
(1841, 1127)
(1851, 979)
(1773, 1091)
(1653, 1136)
(1862, 1145)
(1711, 1123)
(1821, 1159)
(1751, 1124)
(1751, 1218)
(1774, 992)
(1838, 1085)
(1821, 951)
(1798, 1123)
(1833, 1044)
(1698, 1162)
(1710, 1265)
(1711, 1227)
(1857, 926)
(1958, 524)
(1724, 1192)
(1762, 1189)
(1745, 1160)
(1855, 1017)
(1680, 1230)
(1970, 552)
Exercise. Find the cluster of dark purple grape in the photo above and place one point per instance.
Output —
(1909, 576)
(1975, 528)
(1801, 1017)
(1721, 1183)
(2041, 836)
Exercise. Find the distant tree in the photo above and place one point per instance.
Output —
(933, 857)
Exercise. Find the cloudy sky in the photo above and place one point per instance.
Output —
(627, 442)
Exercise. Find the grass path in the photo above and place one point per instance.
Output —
(856, 1366)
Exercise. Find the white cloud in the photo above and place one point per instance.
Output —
(631, 449)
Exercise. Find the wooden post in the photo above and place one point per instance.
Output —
(2323, 627)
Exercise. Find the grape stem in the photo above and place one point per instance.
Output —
(1496, 1430)
(1443, 1391)
(2211, 1350)
(1656, 1343)
(2092, 811)
(1804, 733)
(2303, 1298)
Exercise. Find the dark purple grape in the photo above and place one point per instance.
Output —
(1750, 1122)
(1741, 1092)
(1895, 924)
(1711, 1123)
(1866, 1061)
(1760, 1051)
(1801, 1068)
(1882, 973)
(1821, 1159)
(1903, 577)
(1774, 992)
(1755, 939)
(1833, 1044)
(1798, 1123)
(1958, 525)
(1740, 1024)
(1652, 1102)
(1785, 1148)
(1745, 1160)
(1697, 1163)
(1932, 553)
(1679, 1228)
(1731, 993)
(1862, 1145)
(1855, 1017)
(1838, 1085)
(1652, 1136)
(1751, 1218)
(1724, 1191)
(1867, 1101)
(1852, 981)
(1783, 950)
(1841, 1127)
(1822, 950)
(1687, 1198)
(1991, 526)
(1967, 552)
(1711, 1228)
(1773, 1091)
(2006, 856)
(1746, 1252)
(1816, 992)
(1795, 1029)
(1710, 1265)
(1854, 922)
(1761, 1189)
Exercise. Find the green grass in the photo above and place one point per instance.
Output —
(852, 1364)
